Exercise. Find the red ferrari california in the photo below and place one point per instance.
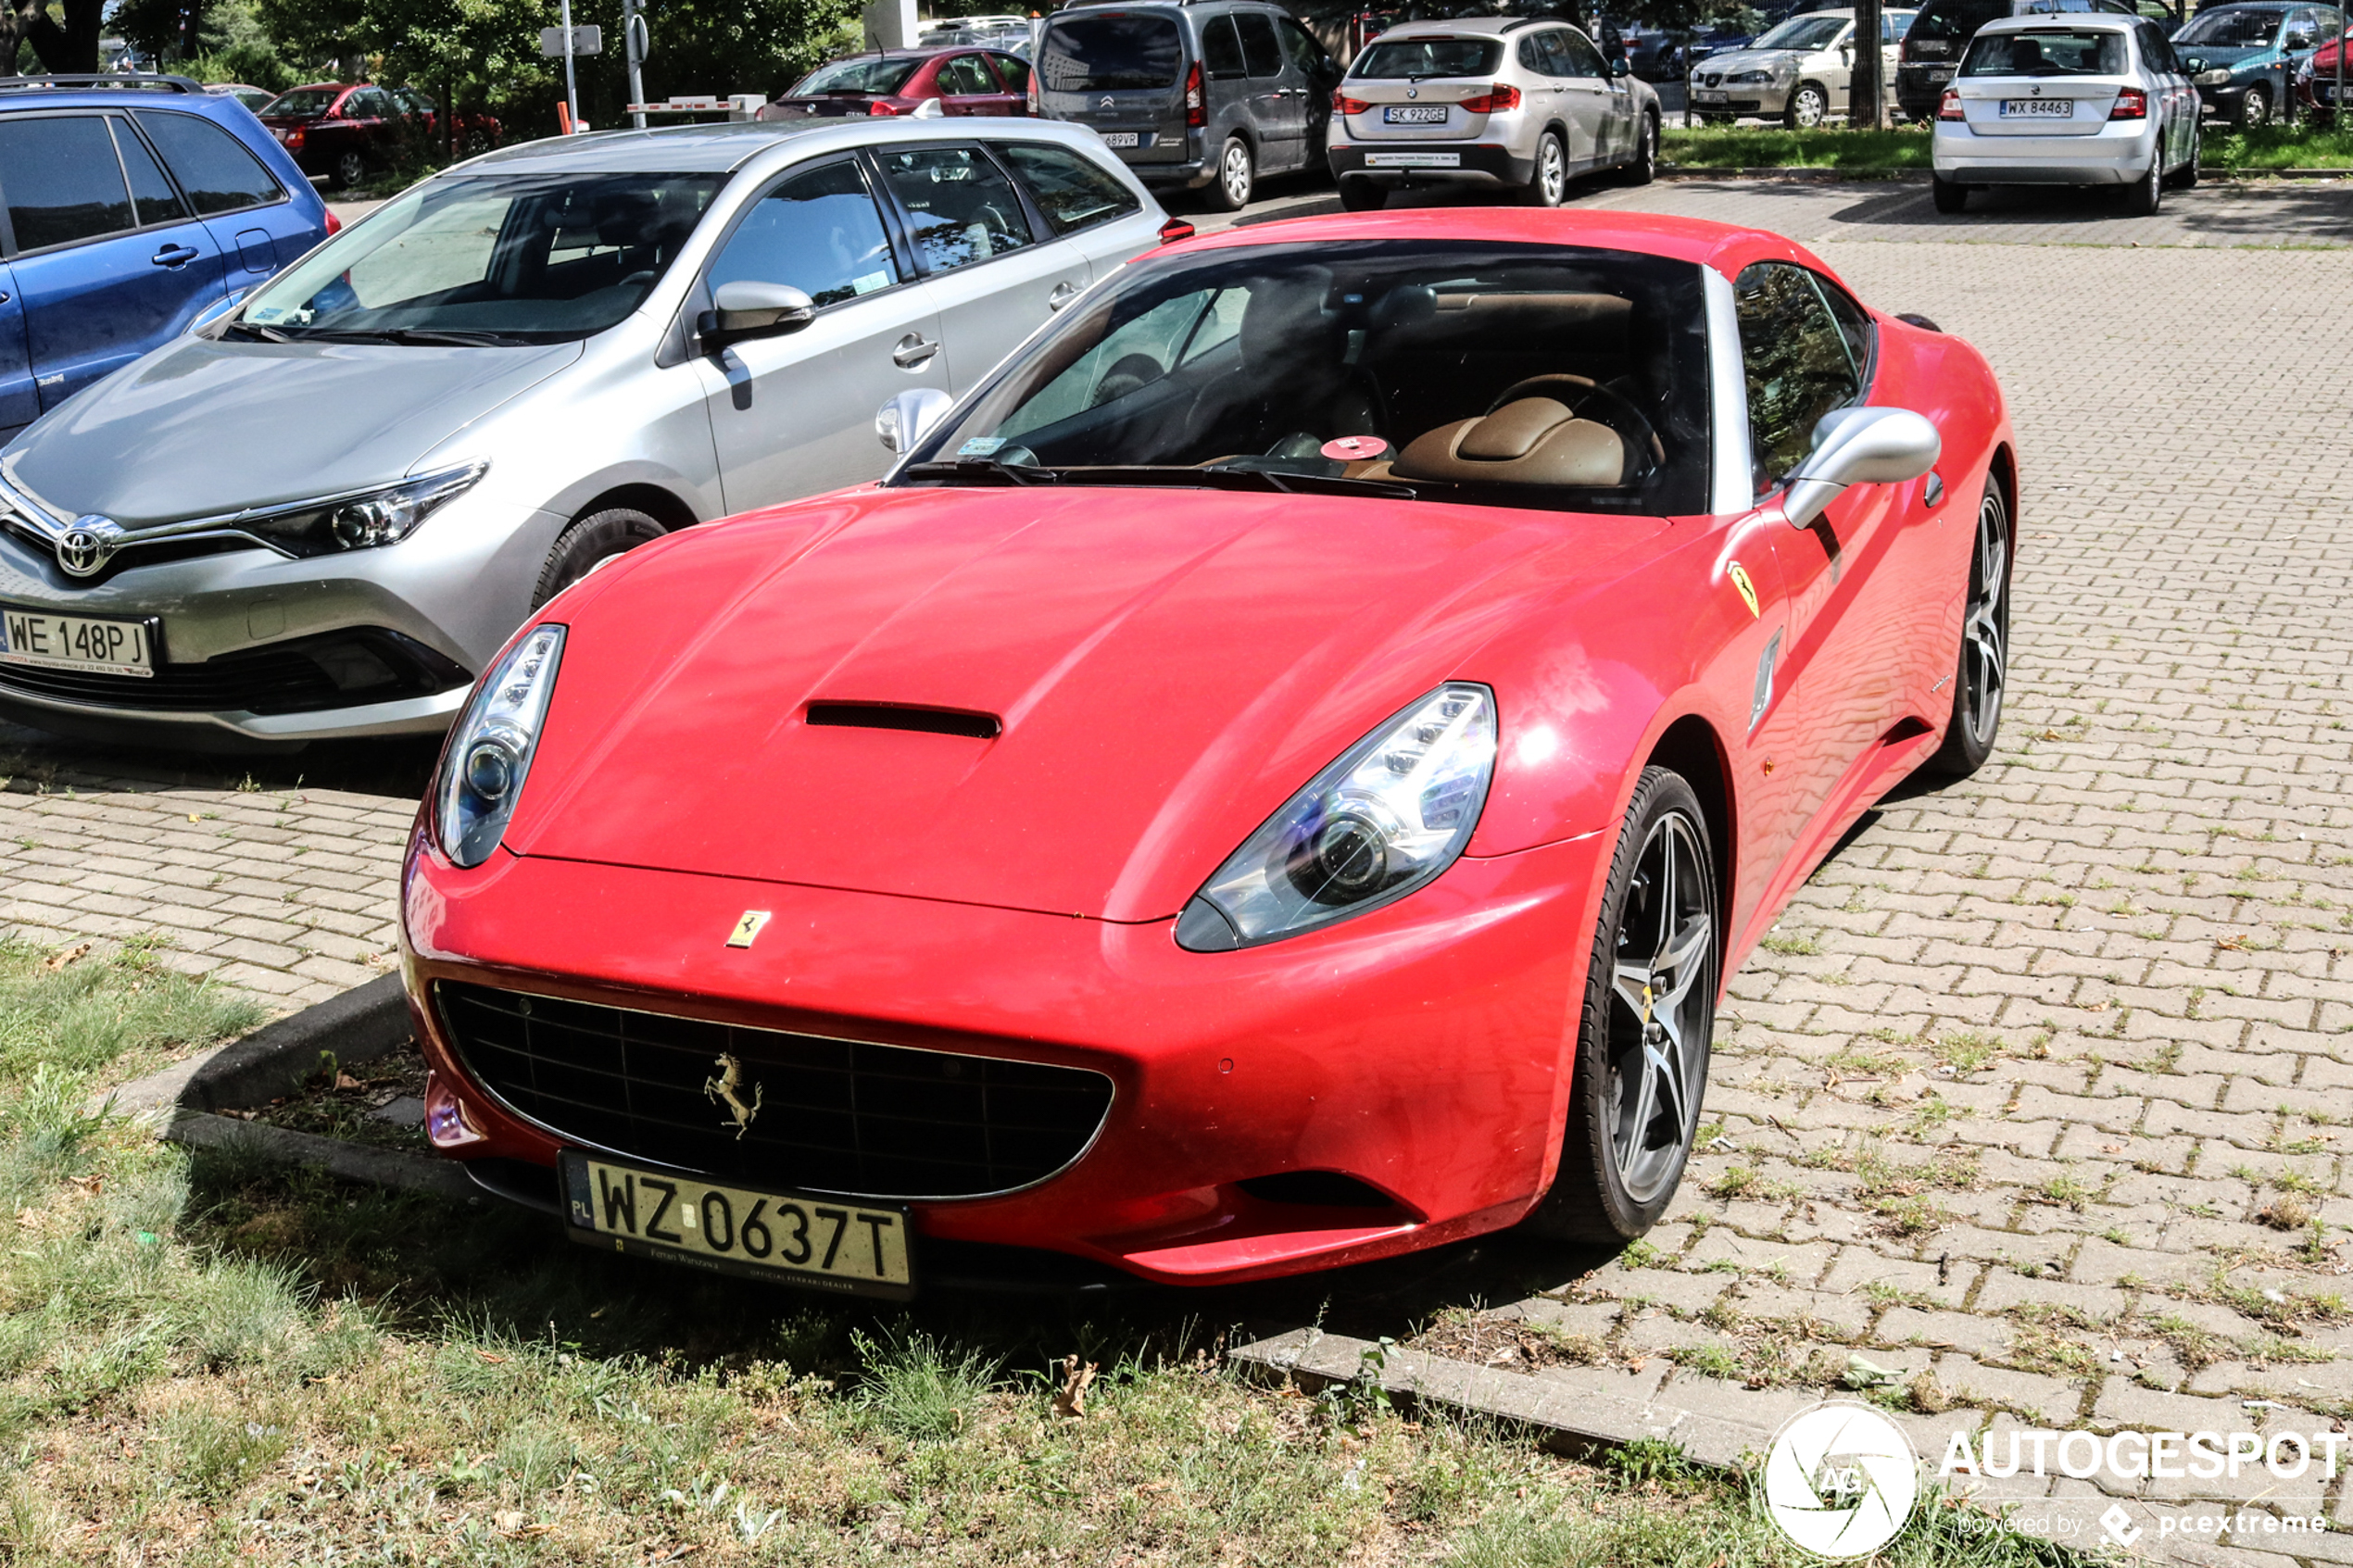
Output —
(1277, 776)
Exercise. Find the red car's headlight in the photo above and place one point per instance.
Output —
(1393, 811)
(489, 752)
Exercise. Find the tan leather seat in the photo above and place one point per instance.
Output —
(1527, 441)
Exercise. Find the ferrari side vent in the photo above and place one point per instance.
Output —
(1319, 1189)
(896, 716)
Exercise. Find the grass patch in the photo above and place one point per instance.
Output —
(224, 1362)
(1728, 146)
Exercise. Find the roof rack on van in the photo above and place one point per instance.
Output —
(142, 80)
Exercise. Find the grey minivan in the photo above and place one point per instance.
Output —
(1212, 93)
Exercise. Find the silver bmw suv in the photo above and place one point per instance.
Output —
(1519, 104)
(318, 514)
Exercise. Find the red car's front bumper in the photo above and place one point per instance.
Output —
(1421, 1050)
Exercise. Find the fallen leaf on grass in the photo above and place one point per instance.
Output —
(88, 1183)
(345, 1081)
(71, 955)
(494, 1360)
(28, 1219)
(508, 1519)
(1070, 1399)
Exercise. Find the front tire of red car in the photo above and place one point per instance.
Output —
(588, 543)
(1643, 1033)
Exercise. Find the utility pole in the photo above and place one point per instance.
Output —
(633, 41)
(572, 86)
(1865, 90)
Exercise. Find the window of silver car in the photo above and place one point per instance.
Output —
(536, 258)
(817, 232)
(960, 206)
(1804, 33)
(1513, 375)
(1221, 48)
(151, 193)
(1584, 60)
(1072, 190)
(1530, 53)
(1263, 56)
(2047, 52)
(64, 182)
(219, 174)
(1401, 59)
(1797, 364)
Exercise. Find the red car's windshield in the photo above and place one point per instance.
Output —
(881, 78)
(1526, 375)
(306, 103)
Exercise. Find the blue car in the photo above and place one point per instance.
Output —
(130, 206)
(2243, 57)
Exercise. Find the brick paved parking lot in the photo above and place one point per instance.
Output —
(2037, 1099)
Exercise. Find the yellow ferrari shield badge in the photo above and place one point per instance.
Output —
(747, 930)
(1739, 575)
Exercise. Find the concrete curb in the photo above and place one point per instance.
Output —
(362, 1025)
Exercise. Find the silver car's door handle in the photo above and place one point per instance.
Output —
(1064, 293)
(913, 350)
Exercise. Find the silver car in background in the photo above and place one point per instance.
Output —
(1522, 104)
(2080, 99)
(321, 514)
(1801, 73)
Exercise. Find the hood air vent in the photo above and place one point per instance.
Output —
(893, 716)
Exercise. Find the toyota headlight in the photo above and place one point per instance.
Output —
(1392, 813)
(489, 752)
(2214, 77)
(361, 521)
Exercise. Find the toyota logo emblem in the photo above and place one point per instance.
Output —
(83, 548)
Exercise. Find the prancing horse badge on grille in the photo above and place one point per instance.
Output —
(723, 1088)
(747, 930)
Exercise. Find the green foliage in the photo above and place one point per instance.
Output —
(919, 1389)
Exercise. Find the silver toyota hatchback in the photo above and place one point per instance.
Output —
(322, 513)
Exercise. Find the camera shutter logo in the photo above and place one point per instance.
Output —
(84, 547)
(1841, 1479)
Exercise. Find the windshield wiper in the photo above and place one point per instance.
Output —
(986, 471)
(253, 331)
(423, 337)
(1221, 476)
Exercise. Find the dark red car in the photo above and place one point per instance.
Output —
(337, 127)
(2316, 83)
(965, 79)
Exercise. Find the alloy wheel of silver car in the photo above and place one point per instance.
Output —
(1808, 107)
(1644, 167)
(1549, 183)
(1235, 175)
(2148, 192)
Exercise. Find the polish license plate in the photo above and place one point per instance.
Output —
(2038, 109)
(1940, 73)
(855, 1248)
(1413, 114)
(77, 642)
(1706, 96)
(1413, 160)
(1119, 138)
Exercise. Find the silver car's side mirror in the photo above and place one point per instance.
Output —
(1860, 447)
(747, 310)
(901, 423)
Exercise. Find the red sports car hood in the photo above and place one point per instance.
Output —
(1167, 667)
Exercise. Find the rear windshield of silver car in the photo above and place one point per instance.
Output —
(1113, 52)
(489, 259)
(2047, 53)
(1410, 59)
(1517, 375)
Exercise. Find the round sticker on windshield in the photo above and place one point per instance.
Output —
(1356, 449)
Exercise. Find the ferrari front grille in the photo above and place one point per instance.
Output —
(761, 1105)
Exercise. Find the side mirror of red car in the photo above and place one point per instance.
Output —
(1860, 447)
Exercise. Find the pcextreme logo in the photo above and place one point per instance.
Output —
(1841, 1479)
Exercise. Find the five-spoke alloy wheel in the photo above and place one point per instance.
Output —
(1642, 1039)
(1983, 678)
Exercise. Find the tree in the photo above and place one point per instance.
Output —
(71, 45)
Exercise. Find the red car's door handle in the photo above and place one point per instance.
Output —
(174, 256)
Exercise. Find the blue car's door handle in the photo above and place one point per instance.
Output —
(174, 256)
